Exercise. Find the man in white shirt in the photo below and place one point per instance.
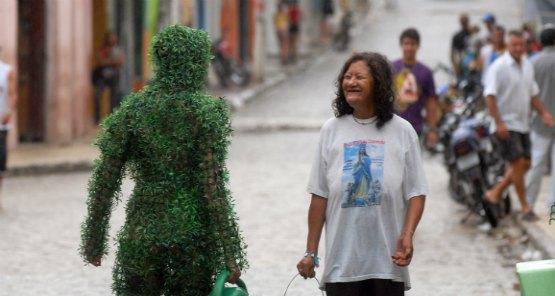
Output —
(510, 91)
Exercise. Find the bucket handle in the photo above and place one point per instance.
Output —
(294, 277)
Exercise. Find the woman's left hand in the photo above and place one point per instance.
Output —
(404, 250)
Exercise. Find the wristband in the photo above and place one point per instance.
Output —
(315, 257)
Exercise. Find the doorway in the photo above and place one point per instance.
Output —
(31, 70)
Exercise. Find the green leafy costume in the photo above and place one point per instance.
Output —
(172, 138)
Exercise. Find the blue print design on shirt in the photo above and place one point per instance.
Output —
(362, 173)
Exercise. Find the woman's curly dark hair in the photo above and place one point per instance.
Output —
(383, 92)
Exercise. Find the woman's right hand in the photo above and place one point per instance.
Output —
(306, 267)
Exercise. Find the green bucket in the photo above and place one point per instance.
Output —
(220, 289)
(537, 278)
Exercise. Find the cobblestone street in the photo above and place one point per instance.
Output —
(41, 223)
(269, 161)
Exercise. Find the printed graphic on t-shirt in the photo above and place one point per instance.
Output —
(407, 89)
(362, 173)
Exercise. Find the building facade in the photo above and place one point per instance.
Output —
(53, 46)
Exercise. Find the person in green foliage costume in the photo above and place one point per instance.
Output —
(171, 138)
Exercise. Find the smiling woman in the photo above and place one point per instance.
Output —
(357, 84)
(367, 184)
(369, 73)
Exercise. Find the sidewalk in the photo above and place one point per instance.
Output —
(541, 233)
(40, 158)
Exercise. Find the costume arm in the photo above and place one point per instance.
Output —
(103, 187)
(218, 196)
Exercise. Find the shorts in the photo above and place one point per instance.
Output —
(376, 287)
(3, 151)
(516, 146)
(294, 29)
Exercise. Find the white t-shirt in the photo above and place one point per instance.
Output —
(368, 175)
(513, 87)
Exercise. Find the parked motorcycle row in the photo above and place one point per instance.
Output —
(228, 71)
(469, 151)
(342, 37)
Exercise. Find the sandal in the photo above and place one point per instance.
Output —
(530, 216)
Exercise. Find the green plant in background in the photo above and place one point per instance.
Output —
(171, 138)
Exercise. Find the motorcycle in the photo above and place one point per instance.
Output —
(473, 162)
(457, 102)
(226, 68)
(342, 37)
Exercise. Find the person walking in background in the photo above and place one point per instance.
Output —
(327, 11)
(281, 24)
(510, 92)
(106, 76)
(367, 186)
(469, 58)
(459, 44)
(491, 51)
(532, 44)
(490, 22)
(412, 101)
(8, 105)
(294, 18)
(542, 136)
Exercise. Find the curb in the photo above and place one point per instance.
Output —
(44, 169)
(538, 238)
(238, 100)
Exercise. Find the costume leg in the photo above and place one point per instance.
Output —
(187, 273)
(135, 271)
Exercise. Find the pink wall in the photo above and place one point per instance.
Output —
(69, 39)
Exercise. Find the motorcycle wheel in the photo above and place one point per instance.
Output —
(488, 210)
(220, 73)
(489, 213)
(458, 189)
(506, 205)
(239, 75)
